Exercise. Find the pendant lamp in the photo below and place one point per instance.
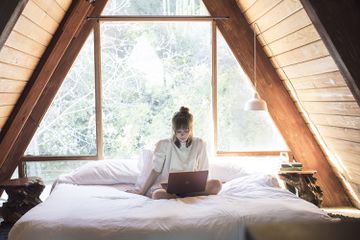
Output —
(256, 103)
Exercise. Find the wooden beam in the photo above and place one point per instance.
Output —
(10, 11)
(98, 92)
(55, 158)
(239, 36)
(29, 110)
(338, 24)
(214, 83)
(47, 96)
(264, 153)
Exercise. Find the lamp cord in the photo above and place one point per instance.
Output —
(292, 86)
(255, 58)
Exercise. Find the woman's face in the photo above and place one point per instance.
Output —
(182, 134)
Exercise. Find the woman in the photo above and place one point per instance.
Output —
(181, 153)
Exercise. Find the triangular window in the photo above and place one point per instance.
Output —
(240, 130)
(68, 127)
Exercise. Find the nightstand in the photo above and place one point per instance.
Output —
(23, 194)
(303, 184)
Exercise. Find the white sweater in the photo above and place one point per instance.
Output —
(169, 158)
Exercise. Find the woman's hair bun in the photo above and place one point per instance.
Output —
(184, 109)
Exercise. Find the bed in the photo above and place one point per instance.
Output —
(91, 203)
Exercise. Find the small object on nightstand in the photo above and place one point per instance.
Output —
(23, 194)
(303, 184)
(291, 166)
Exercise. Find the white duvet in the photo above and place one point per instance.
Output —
(107, 212)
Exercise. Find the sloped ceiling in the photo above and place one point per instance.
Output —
(313, 80)
(30, 107)
(24, 47)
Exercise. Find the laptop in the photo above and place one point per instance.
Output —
(186, 182)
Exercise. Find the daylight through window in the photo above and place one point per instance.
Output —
(148, 70)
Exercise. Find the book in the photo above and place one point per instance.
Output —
(291, 169)
(291, 166)
(296, 164)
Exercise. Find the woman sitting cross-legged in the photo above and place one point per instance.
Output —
(182, 152)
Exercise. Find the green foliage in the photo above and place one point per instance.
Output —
(241, 130)
(139, 101)
(68, 127)
(149, 70)
(50, 170)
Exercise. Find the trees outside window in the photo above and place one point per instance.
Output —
(149, 70)
(240, 130)
(68, 127)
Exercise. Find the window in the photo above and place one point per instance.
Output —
(50, 171)
(68, 127)
(155, 7)
(148, 70)
(240, 130)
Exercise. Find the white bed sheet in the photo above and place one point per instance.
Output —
(107, 212)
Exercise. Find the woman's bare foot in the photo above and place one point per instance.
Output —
(162, 194)
(213, 187)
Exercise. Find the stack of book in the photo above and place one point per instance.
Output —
(291, 166)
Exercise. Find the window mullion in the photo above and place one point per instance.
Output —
(98, 92)
(214, 83)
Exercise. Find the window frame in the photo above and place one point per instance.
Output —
(98, 89)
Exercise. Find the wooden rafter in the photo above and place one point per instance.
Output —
(338, 23)
(239, 36)
(10, 11)
(45, 82)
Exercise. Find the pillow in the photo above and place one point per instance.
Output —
(228, 168)
(226, 171)
(145, 165)
(103, 172)
(250, 184)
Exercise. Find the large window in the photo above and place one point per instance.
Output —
(148, 70)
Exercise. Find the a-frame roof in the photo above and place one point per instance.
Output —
(271, 84)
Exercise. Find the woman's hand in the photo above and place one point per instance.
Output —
(148, 183)
(135, 190)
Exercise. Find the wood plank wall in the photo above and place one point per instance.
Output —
(24, 48)
(312, 79)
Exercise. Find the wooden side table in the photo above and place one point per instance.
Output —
(23, 194)
(303, 184)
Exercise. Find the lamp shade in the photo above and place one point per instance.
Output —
(256, 104)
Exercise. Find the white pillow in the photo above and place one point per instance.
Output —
(103, 172)
(226, 171)
(249, 184)
(145, 166)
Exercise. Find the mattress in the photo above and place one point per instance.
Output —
(74, 211)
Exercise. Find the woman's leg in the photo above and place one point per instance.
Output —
(213, 187)
(162, 194)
